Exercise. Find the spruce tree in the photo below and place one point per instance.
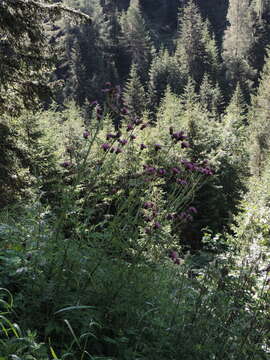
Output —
(25, 55)
(191, 51)
(238, 42)
(134, 94)
(259, 117)
(136, 37)
(210, 96)
(164, 71)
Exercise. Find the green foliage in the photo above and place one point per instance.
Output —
(135, 37)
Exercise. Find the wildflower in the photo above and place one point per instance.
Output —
(173, 255)
(110, 136)
(181, 181)
(86, 134)
(133, 137)
(148, 205)
(157, 225)
(118, 150)
(193, 210)
(178, 136)
(105, 146)
(185, 145)
(137, 122)
(66, 164)
(182, 215)
(175, 170)
(142, 146)
(144, 125)
(130, 127)
(161, 172)
(157, 147)
(124, 111)
(149, 169)
(123, 142)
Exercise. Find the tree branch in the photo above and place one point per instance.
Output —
(52, 7)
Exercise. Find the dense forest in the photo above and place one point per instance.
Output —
(135, 179)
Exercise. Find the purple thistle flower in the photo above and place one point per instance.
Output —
(105, 146)
(137, 122)
(124, 110)
(161, 172)
(148, 205)
(182, 215)
(66, 164)
(173, 255)
(157, 147)
(130, 127)
(109, 136)
(118, 150)
(157, 225)
(185, 145)
(123, 142)
(142, 146)
(86, 134)
(193, 210)
(175, 170)
(181, 181)
(133, 137)
(143, 126)
(150, 170)
(179, 136)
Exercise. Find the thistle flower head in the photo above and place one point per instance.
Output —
(105, 147)
(86, 134)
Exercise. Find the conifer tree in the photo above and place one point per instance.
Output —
(210, 96)
(25, 55)
(235, 125)
(238, 42)
(192, 54)
(260, 121)
(164, 71)
(134, 94)
(136, 37)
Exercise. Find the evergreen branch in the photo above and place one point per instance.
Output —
(51, 7)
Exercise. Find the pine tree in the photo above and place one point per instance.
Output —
(210, 96)
(25, 55)
(260, 121)
(235, 125)
(191, 49)
(238, 42)
(136, 37)
(164, 71)
(134, 94)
